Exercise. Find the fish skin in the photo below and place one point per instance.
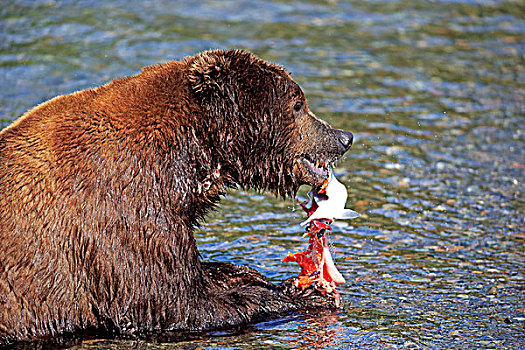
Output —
(331, 203)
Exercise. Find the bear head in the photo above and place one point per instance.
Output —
(257, 117)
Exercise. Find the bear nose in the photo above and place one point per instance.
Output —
(346, 138)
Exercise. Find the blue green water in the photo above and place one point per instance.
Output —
(434, 93)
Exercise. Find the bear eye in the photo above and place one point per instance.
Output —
(298, 105)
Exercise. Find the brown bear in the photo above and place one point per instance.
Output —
(100, 192)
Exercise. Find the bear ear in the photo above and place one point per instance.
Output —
(207, 73)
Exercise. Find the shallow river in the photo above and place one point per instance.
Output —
(434, 93)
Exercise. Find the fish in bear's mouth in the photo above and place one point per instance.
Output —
(317, 264)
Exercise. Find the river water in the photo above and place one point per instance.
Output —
(434, 93)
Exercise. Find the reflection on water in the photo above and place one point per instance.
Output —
(434, 94)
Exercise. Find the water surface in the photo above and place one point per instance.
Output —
(434, 94)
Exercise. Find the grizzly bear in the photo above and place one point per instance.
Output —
(101, 189)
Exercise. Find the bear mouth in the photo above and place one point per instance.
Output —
(315, 171)
(318, 169)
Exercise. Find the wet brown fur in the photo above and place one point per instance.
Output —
(100, 191)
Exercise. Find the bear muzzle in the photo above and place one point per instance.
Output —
(311, 167)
